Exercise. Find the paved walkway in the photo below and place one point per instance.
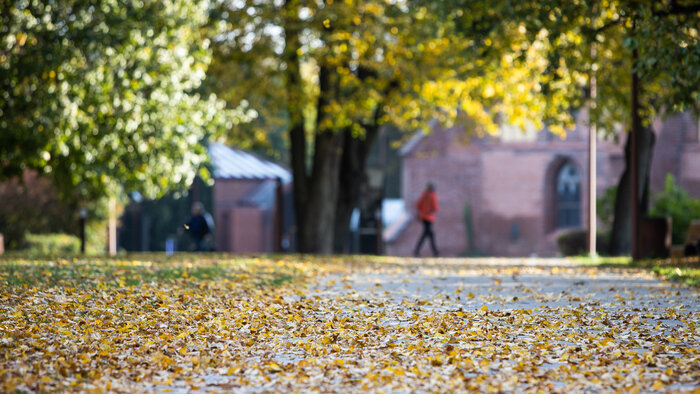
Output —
(506, 284)
(481, 324)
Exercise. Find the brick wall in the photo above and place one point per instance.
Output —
(233, 233)
(510, 186)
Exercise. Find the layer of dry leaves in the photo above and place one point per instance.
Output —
(268, 324)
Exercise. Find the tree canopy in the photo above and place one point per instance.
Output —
(402, 58)
(105, 96)
(596, 38)
(626, 61)
(330, 73)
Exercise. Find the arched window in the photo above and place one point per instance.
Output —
(567, 203)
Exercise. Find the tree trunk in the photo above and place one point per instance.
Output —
(297, 137)
(351, 177)
(317, 226)
(316, 192)
(620, 242)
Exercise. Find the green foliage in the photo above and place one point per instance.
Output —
(331, 73)
(361, 64)
(605, 208)
(674, 202)
(103, 96)
(96, 235)
(51, 244)
(601, 45)
(572, 243)
(585, 39)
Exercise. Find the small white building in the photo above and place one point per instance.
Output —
(252, 202)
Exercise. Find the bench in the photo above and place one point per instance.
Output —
(693, 232)
(692, 237)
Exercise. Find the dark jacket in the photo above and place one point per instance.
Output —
(198, 227)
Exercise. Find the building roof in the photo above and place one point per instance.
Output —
(262, 196)
(411, 144)
(232, 163)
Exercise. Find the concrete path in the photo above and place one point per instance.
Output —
(445, 325)
(504, 284)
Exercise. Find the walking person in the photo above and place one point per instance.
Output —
(427, 206)
(199, 226)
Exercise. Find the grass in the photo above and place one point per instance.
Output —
(684, 270)
(604, 261)
(137, 269)
(255, 272)
(688, 276)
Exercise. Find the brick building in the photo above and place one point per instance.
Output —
(252, 202)
(519, 191)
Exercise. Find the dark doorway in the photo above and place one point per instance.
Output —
(568, 197)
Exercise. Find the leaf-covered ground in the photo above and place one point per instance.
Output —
(218, 323)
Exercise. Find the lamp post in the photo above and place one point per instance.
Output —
(634, 160)
(82, 218)
(592, 176)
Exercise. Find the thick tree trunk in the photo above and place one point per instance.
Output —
(316, 205)
(297, 137)
(319, 222)
(343, 214)
(620, 242)
(316, 192)
(351, 178)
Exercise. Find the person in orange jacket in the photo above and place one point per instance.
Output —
(427, 206)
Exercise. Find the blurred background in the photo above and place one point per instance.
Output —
(548, 127)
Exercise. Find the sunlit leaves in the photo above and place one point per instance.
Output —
(585, 39)
(195, 322)
(104, 97)
(398, 62)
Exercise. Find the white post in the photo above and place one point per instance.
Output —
(112, 228)
(592, 170)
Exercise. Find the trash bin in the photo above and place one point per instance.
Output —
(655, 237)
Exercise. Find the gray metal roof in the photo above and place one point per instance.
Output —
(236, 164)
(263, 196)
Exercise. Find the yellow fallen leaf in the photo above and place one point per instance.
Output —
(658, 385)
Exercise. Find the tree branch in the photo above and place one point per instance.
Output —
(609, 24)
(678, 9)
(293, 86)
(378, 110)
